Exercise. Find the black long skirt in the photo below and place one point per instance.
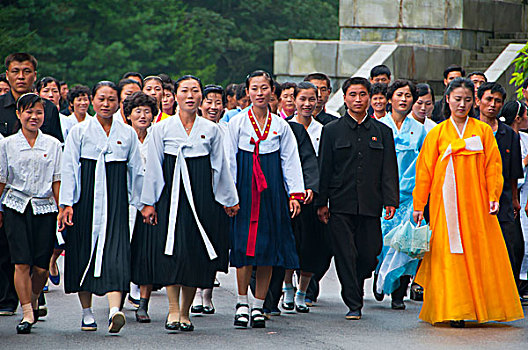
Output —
(115, 272)
(141, 252)
(189, 265)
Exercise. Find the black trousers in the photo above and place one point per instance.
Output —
(275, 287)
(356, 243)
(512, 233)
(326, 254)
(8, 295)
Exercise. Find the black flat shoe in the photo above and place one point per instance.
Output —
(186, 327)
(288, 306)
(457, 324)
(241, 320)
(377, 296)
(302, 308)
(257, 318)
(24, 328)
(172, 326)
(35, 315)
(197, 309)
(416, 292)
(142, 316)
(398, 305)
(208, 310)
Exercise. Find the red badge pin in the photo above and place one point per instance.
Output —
(507, 151)
(45, 155)
(119, 142)
(202, 136)
(411, 132)
(374, 138)
(275, 133)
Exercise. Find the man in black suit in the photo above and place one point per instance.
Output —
(21, 72)
(324, 88)
(358, 177)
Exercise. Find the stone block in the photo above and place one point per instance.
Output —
(308, 56)
(281, 57)
(371, 13)
(352, 55)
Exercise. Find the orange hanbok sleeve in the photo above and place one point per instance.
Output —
(425, 166)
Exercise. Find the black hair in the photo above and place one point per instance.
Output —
(167, 86)
(454, 68)
(132, 74)
(478, 73)
(319, 76)
(511, 110)
(124, 82)
(166, 79)
(423, 89)
(304, 85)
(259, 73)
(138, 99)
(400, 83)
(3, 78)
(230, 89)
(494, 87)
(288, 85)
(454, 84)
(20, 57)
(356, 81)
(240, 92)
(211, 89)
(28, 100)
(152, 77)
(378, 88)
(277, 89)
(525, 84)
(108, 83)
(42, 83)
(187, 77)
(380, 70)
(78, 90)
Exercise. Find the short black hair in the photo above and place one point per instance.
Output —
(477, 73)
(132, 74)
(277, 89)
(240, 92)
(423, 89)
(288, 85)
(510, 111)
(109, 84)
(42, 83)
(259, 73)
(3, 78)
(380, 70)
(211, 89)
(456, 83)
(494, 87)
(378, 88)
(356, 81)
(28, 100)
(304, 85)
(230, 89)
(400, 83)
(166, 79)
(454, 68)
(124, 82)
(21, 57)
(78, 90)
(138, 99)
(319, 76)
(187, 77)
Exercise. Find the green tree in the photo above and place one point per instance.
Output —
(520, 73)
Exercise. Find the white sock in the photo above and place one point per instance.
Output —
(242, 299)
(288, 292)
(88, 316)
(113, 311)
(134, 291)
(258, 304)
(300, 298)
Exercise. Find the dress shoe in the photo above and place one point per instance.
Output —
(142, 316)
(398, 305)
(42, 311)
(55, 279)
(275, 311)
(416, 292)
(172, 326)
(377, 296)
(116, 322)
(197, 309)
(186, 327)
(353, 315)
(209, 310)
(457, 324)
(24, 327)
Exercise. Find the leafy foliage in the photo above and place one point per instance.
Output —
(520, 73)
(219, 41)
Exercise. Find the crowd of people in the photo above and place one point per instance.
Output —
(171, 182)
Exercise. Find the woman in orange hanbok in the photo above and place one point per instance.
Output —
(467, 273)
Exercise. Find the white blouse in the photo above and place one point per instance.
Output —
(68, 122)
(169, 136)
(280, 138)
(29, 172)
(314, 131)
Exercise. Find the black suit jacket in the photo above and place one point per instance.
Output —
(8, 117)
(358, 167)
(325, 118)
(309, 165)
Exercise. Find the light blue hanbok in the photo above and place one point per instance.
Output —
(408, 141)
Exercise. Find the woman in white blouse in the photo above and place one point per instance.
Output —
(102, 173)
(30, 180)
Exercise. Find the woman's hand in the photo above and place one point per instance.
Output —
(149, 215)
(494, 208)
(232, 211)
(65, 217)
(308, 198)
(389, 212)
(295, 207)
(418, 217)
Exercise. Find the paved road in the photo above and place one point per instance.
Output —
(323, 328)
